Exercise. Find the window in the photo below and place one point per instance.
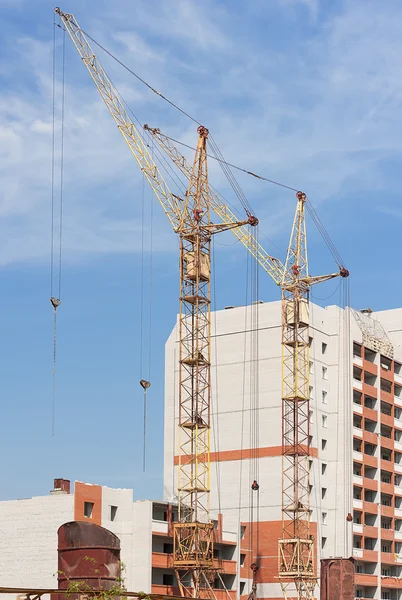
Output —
(324, 397)
(167, 579)
(311, 367)
(310, 465)
(242, 532)
(310, 341)
(323, 542)
(323, 492)
(242, 559)
(168, 548)
(324, 419)
(386, 548)
(323, 444)
(88, 508)
(310, 489)
(215, 524)
(324, 518)
(385, 523)
(323, 348)
(113, 512)
(324, 373)
(385, 572)
(359, 568)
(311, 392)
(310, 415)
(310, 440)
(242, 586)
(323, 468)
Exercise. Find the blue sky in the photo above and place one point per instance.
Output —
(306, 92)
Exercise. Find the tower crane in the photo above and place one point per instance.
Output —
(296, 548)
(190, 218)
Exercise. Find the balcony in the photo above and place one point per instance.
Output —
(398, 513)
(370, 507)
(357, 408)
(387, 511)
(391, 582)
(365, 579)
(398, 378)
(357, 528)
(387, 420)
(387, 488)
(160, 526)
(387, 534)
(388, 558)
(398, 468)
(370, 531)
(398, 446)
(370, 413)
(357, 432)
(398, 401)
(370, 484)
(370, 437)
(358, 384)
(387, 442)
(358, 553)
(357, 503)
(229, 567)
(370, 367)
(398, 535)
(358, 456)
(160, 560)
(357, 479)
(370, 555)
(357, 360)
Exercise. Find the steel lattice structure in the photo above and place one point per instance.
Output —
(190, 218)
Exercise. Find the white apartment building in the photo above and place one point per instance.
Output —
(28, 537)
(356, 425)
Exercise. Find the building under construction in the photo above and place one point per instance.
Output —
(281, 427)
(355, 465)
(355, 440)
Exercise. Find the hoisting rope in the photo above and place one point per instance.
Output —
(254, 428)
(217, 155)
(145, 383)
(56, 300)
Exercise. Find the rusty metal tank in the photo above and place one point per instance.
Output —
(87, 553)
(338, 579)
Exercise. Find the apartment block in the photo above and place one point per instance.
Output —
(355, 436)
(28, 541)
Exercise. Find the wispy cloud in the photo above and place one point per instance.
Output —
(319, 111)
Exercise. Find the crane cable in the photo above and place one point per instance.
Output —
(225, 166)
(145, 383)
(56, 271)
(254, 428)
(217, 155)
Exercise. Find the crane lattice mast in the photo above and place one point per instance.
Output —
(296, 548)
(190, 217)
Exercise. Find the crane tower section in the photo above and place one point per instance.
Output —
(193, 534)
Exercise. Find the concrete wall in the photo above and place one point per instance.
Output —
(28, 539)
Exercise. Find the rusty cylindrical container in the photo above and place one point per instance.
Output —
(338, 579)
(87, 553)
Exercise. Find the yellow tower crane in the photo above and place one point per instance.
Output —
(296, 548)
(191, 219)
